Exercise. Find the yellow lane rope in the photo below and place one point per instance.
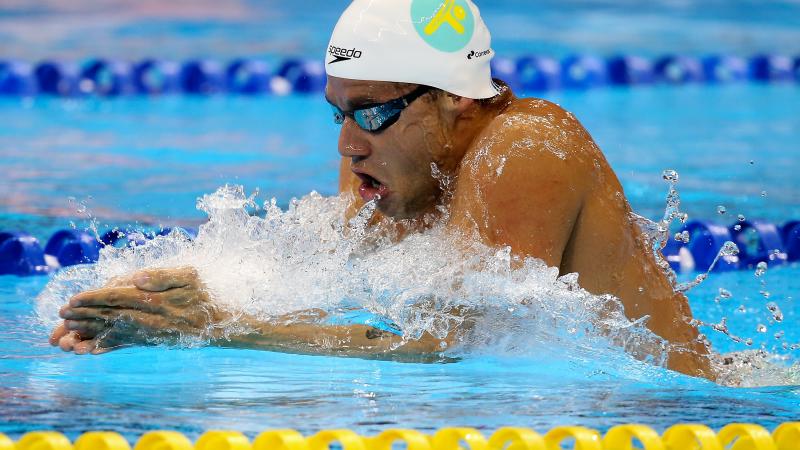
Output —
(736, 436)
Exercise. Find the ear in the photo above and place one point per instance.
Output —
(454, 106)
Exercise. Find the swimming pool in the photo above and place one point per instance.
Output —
(138, 160)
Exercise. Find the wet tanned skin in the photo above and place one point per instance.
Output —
(524, 173)
(555, 197)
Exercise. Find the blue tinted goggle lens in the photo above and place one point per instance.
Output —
(369, 119)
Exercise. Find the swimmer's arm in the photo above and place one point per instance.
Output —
(165, 304)
(338, 340)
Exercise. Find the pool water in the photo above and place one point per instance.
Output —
(144, 162)
(147, 161)
(192, 390)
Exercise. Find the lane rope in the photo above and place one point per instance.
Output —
(739, 436)
(693, 248)
(249, 76)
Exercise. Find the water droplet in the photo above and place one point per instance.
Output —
(741, 308)
(752, 162)
(748, 341)
(779, 335)
(737, 227)
(777, 314)
(729, 248)
(761, 328)
(724, 293)
(741, 217)
(763, 193)
(670, 176)
(641, 289)
(682, 237)
(721, 209)
(761, 268)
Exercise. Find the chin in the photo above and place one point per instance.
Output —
(398, 209)
(389, 209)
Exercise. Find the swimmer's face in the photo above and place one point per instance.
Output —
(395, 162)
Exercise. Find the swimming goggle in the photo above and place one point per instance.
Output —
(379, 116)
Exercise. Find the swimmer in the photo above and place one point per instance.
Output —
(522, 173)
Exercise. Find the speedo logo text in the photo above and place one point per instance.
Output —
(343, 54)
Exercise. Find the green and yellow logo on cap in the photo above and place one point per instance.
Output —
(446, 25)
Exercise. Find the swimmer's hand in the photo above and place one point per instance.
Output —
(150, 304)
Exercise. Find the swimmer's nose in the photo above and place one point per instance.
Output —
(351, 141)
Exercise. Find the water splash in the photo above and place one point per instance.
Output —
(728, 249)
(307, 257)
(656, 234)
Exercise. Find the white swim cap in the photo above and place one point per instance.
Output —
(439, 43)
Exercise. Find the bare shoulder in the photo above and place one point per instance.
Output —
(524, 180)
(534, 136)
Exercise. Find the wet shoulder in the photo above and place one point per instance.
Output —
(534, 130)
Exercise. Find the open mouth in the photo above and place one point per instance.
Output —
(371, 187)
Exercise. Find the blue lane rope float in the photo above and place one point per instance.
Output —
(537, 73)
(71, 247)
(57, 78)
(17, 78)
(21, 254)
(772, 68)
(107, 78)
(790, 232)
(202, 77)
(156, 77)
(757, 241)
(304, 76)
(629, 70)
(724, 69)
(248, 76)
(678, 69)
(739, 436)
(705, 241)
(583, 72)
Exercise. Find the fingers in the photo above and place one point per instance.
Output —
(58, 333)
(84, 347)
(117, 297)
(92, 346)
(97, 313)
(86, 329)
(68, 341)
(157, 280)
(94, 321)
(181, 296)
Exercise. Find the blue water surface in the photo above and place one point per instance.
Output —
(192, 390)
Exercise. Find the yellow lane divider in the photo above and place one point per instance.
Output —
(736, 436)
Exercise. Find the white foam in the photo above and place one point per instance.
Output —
(307, 257)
